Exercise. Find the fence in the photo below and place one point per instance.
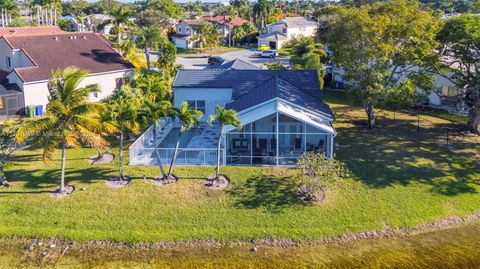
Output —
(190, 156)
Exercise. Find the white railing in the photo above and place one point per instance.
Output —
(185, 156)
(145, 141)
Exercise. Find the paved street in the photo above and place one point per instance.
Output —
(200, 62)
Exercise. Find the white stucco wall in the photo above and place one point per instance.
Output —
(37, 93)
(5, 51)
(301, 31)
(212, 97)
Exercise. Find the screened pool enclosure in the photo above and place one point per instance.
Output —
(276, 139)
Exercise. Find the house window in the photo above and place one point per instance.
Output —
(197, 104)
(119, 82)
(284, 30)
(9, 62)
(179, 29)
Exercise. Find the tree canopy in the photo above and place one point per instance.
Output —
(382, 47)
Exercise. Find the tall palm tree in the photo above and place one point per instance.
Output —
(122, 114)
(69, 118)
(154, 111)
(262, 9)
(149, 37)
(188, 118)
(120, 20)
(223, 117)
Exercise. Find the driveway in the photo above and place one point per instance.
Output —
(247, 55)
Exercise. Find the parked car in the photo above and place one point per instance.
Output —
(215, 60)
(268, 54)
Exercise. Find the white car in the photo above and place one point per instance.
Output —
(268, 54)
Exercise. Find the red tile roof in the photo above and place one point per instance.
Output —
(50, 52)
(225, 20)
(25, 31)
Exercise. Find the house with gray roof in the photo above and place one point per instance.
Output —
(281, 111)
(276, 34)
(236, 64)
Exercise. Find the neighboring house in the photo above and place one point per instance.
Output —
(276, 34)
(236, 64)
(281, 111)
(29, 55)
(99, 23)
(185, 29)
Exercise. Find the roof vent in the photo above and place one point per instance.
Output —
(73, 37)
(84, 37)
(56, 38)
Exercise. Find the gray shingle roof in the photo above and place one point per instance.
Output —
(273, 36)
(276, 87)
(236, 64)
(299, 22)
(242, 81)
(250, 87)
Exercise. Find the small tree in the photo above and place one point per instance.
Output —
(320, 172)
(223, 117)
(69, 118)
(188, 118)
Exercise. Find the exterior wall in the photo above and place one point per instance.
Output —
(184, 28)
(278, 28)
(304, 31)
(212, 97)
(5, 51)
(37, 93)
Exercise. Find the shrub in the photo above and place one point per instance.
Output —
(319, 172)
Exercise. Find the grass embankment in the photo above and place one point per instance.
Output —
(398, 178)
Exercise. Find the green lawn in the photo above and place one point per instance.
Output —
(399, 178)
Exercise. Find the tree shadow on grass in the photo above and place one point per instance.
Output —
(271, 193)
(397, 155)
(51, 178)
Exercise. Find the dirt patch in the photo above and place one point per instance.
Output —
(105, 158)
(217, 184)
(162, 181)
(62, 194)
(116, 182)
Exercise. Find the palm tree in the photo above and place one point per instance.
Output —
(238, 34)
(262, 9)
(69, 118)
(154, 111)
(223, 117)
(206, 35)
(122, 115)
(188, 118)
(120, 20)
(306, 45)
(149, 37)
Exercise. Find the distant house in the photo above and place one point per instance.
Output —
(236, 64)
(281, 111)
(276, 34)
(185, 29)
(29, 55)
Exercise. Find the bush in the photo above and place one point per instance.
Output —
(320, 172)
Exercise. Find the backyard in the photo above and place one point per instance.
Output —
(398, 179)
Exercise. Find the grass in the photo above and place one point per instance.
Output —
(450, 248)
(398, 178)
